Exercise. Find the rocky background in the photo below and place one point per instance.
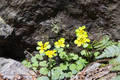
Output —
(28, 21)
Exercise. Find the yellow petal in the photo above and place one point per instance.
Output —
(38, 48)
(40, 43)
(56, 43)
(87, 40)
(76, 41)
(79, 44)
(47, 43)
(81, 28)
(63, 45)
(55, 54)
(41, 51)
(62, 39)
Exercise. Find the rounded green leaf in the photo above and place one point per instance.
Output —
(67, 45)
(34, 69)
(75, 57)
(74, 71)
(63, 66)
(85, 45)
(96, 54)
(33, 59)
(68, 75)
(72, 67)
(39, 56)
(63, 55)
(56, 74)
(83, 52)
(43, 63)
(43, 78)
(44, 71)
(26, 63)
(62, 76)
(79, 67)
(60, 50)
(35, 64)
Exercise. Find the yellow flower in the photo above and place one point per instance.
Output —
(81, 41)
(51, 53)
(60, 43)
(82, 36)
(80, 31)
(42, 47)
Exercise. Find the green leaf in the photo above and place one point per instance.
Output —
(39, 56)
(56, 73)
(63, 66)
(116, 68)
(115, 61)
(43, 78)
(51, 63)
(62, 76)
(110, 51)
(67, 45)
(105, 42)
(119, 44)
(74, 71)
(80, 66)
(43, 63)
(34, 69)
(35, 64)
(84, 53)
(26, 63)
(68, 75)
(81, 62)
(73, 56)
(90, 46)
(72, 67)
(116, 78)
(44, 71)
(57, 68)
(85, 45)
(63, 55)
(33, 59)
(60, 50)
(96, 54)
(49, 46)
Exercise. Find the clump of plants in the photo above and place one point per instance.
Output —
(54, 62)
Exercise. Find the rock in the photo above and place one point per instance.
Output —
(32, 18)
(9, 68)
(94, 72)
(5, 30)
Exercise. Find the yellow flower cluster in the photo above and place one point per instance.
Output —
(60, 43)
(50, 53)
(42, 47)
(82, 36)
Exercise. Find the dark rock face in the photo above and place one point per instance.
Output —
(45, 20)
(9, 45)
